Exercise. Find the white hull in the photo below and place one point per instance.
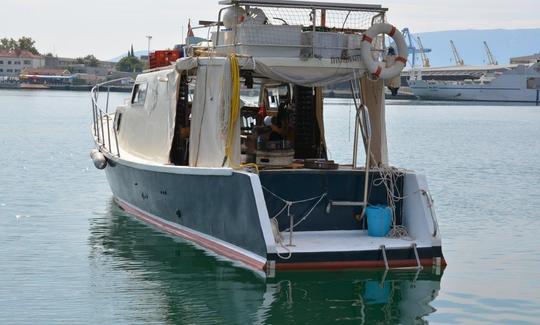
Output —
(442, 92)
(521, 84)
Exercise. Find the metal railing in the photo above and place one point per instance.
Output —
(310, 16)
(102, 120)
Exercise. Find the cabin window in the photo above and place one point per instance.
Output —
(276, 96)
(139, 93)
(117, 120)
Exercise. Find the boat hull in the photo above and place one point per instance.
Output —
(218, 212)
(223, 214)
(442, 91)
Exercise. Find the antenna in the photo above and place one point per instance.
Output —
(491, 58)
(425, 59)
(457, 57)
(149, 39)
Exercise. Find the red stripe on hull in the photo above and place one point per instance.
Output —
(251, 262)
(204, 242)
(353, 264)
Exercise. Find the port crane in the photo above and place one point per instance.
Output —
(425, 59)
(490, 56)
(457, 57)
(410, 46)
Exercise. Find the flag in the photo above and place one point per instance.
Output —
(189, 30)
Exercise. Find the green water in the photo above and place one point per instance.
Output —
(69, 255)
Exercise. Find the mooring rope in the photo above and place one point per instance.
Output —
(287, 206)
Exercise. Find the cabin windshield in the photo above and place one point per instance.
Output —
(283, 125)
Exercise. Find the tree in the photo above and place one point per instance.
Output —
(4, 44)
(91, 61)
(23, 44)
(27, 44)
(130, 64)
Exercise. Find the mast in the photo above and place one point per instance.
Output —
(490, 56)
(425, 59)
(457, 57)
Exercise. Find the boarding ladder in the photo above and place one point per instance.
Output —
(418, 266)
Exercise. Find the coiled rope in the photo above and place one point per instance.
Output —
(389, 177)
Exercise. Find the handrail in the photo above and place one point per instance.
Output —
(98, 117)
(362, 121)
(306, 5)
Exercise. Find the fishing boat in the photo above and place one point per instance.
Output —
(252, 182)
(508, 83)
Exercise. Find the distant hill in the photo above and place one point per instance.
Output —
(504, 44)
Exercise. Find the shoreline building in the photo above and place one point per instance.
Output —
(528, 59)
(46, 76)
(12, 63)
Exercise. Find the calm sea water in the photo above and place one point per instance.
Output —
(69, 255)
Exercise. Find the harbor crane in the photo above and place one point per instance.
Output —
(410, 46)
(490, 56)
(425, 59)
(457, 57)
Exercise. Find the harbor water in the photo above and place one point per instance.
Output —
(69, 255)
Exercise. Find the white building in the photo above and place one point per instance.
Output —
(13, 62)
(526, 59)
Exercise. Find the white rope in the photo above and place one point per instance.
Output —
(399, 232)
(279, 240)
(287, 206)
(287, 201)
(309, 212)
(389, 177)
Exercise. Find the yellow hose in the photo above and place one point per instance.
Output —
(235, 113)
(235, 107)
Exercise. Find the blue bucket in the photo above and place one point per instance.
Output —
(379, 218)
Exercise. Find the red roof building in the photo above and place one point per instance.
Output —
(13, 62)
(19, 54)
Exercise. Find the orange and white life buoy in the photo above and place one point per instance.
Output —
(376, 68)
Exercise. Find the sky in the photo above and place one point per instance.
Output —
(107, 28)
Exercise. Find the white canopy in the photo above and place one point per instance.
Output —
(306, 72)
(147, 125)
(210, 115)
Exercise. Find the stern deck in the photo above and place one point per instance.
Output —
(340, 241)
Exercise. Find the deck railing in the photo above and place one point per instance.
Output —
(102, 119)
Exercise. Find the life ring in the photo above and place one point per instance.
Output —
(376, 68)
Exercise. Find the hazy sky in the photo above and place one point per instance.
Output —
(107, 28)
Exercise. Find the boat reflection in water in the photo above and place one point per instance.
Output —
(172, 280)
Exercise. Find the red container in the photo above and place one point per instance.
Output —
(163, 58)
